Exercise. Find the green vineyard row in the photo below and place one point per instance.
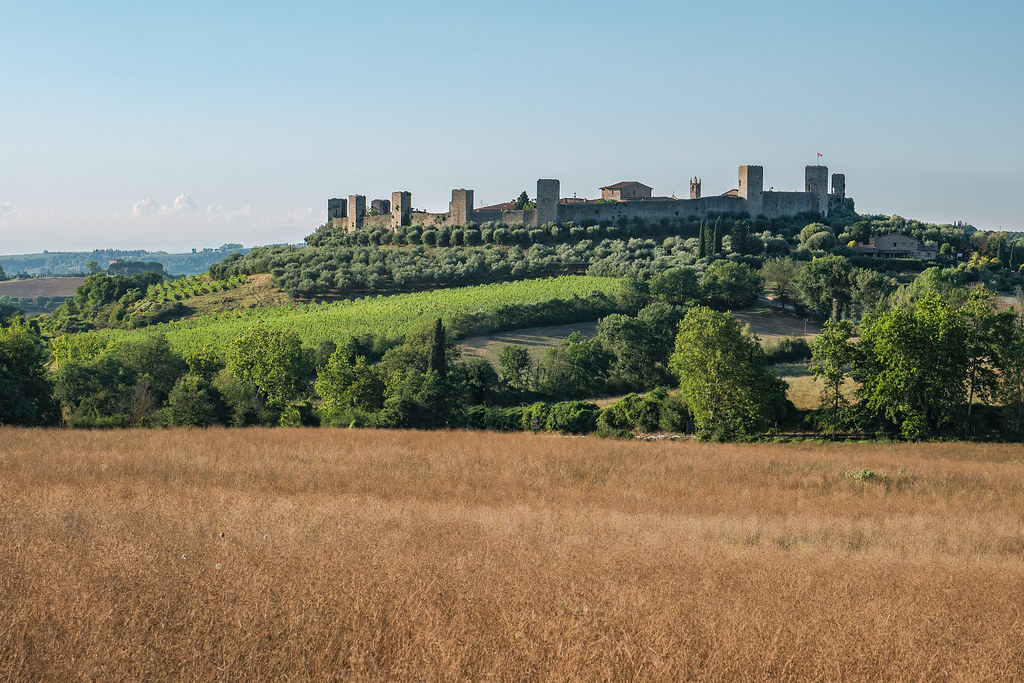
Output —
(463, 309)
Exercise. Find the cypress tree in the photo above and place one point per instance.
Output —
(718, 236)
(438, 358)
(702, 249)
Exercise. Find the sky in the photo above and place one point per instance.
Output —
(193, 124)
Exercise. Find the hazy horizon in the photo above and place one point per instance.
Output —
(194, 125)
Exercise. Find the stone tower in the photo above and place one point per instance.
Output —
(752, 188)
(816, 182)
(839, 185)
(548, 191)
(460, 210)
(336, 212)
(356, 211)
(695, 188)
(401, 209)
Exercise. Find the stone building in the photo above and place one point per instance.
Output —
(626, 190)
(896, 246)
(628, 199)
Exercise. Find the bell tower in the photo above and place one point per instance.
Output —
(695, 188)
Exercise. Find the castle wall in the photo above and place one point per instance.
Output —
(781, 204)
(652, 209)
(527, 217)
(382, 221)
(427, 219)
(752, 199)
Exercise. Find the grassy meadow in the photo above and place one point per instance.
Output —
(390, 555)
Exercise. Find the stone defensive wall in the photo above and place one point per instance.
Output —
(750, 197)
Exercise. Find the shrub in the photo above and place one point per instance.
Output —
(787, 350)
(573, 417)
(534, 417)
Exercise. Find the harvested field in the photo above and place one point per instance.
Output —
(536, 339)
(43, 286)
(771, 324)
(389, 555)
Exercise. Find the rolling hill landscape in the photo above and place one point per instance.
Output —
(648, 342)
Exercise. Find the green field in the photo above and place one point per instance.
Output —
(391, 317)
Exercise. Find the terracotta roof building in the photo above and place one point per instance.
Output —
(627, 189)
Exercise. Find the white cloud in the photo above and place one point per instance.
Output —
(146, 207)
(8, 214)
(218, 214)
(182, 203)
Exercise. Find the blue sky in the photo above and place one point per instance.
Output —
(127, 124)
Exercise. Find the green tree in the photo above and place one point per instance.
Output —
(985, 330)
(702, 241)
(516, 366)
(438, 352)
(824, 285)
(677, 286)
(349, 383)
(631, 342)
(26, 394)
(728, 285)
(662, 322)
(869, 290)
(947, 283)
(272, 360)
(811, 230)
(1010, 361)
(722, 376)
(3, 275)
(419, 400)
(523, 202)
(831, 353)
(912, 365)
(190, 403)
(741, 241)
(576, 368)
(780, 277)
(93, 268)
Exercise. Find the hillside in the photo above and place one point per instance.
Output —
(60, 262)
(43, 286)
(388, 317)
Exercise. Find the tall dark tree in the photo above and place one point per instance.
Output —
(26, 396)
(438, 352)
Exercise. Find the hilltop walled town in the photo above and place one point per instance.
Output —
(627, 199)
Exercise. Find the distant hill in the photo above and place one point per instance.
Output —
(68, 262)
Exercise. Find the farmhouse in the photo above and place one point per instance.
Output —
(623, 200)
(896, 246)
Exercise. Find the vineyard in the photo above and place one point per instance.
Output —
(191, 286)
(466, 309)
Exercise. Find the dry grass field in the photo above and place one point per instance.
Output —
(377, 555)
(43, 286)
(536, 339)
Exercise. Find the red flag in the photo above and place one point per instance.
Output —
(819, 154)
